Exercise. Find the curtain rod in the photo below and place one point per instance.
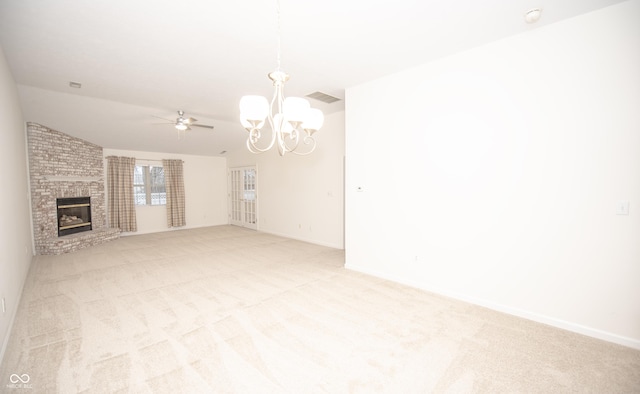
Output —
(160, 160)
(137, 158)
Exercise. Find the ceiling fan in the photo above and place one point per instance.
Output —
(181, 123)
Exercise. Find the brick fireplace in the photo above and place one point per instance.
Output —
(65, 167)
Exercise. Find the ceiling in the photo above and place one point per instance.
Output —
(137, 59)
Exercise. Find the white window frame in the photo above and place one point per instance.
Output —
(149, 187)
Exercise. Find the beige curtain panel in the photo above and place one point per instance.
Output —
(122, 211)
(174, 186)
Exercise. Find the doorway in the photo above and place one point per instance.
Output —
(243, 197)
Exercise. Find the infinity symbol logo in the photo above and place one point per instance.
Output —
(24, 378)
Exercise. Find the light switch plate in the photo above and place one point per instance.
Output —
(623, 208)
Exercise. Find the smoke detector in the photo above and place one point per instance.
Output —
(533, 15)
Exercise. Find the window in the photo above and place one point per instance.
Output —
(148, 185)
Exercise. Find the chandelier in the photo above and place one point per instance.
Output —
(293, 122)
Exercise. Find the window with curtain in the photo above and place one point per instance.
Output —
(122, 213)
(148, 185)
(174, 186)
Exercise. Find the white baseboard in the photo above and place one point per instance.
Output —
(309, 240)
(303, 239)
(548, 320)
(5, 341)
(163, 230)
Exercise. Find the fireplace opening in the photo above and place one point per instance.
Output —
(74, 215)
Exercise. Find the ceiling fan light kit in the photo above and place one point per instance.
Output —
(292, 119)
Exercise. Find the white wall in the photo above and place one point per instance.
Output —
(301, 197)
(494, 175)
(16, 241)
(205, 184)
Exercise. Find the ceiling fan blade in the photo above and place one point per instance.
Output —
(190, 120)
(168, 120)
(202, 125)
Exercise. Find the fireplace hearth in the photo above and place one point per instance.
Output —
(74, 215)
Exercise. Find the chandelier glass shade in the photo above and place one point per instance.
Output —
(292, 120)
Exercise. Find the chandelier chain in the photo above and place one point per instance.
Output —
(279, 30)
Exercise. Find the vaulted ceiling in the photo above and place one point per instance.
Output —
(138, 59)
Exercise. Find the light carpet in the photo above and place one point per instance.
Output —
(230, 310)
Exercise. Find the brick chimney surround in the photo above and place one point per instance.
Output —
(62, 166)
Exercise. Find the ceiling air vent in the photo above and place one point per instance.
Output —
(325, 98)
